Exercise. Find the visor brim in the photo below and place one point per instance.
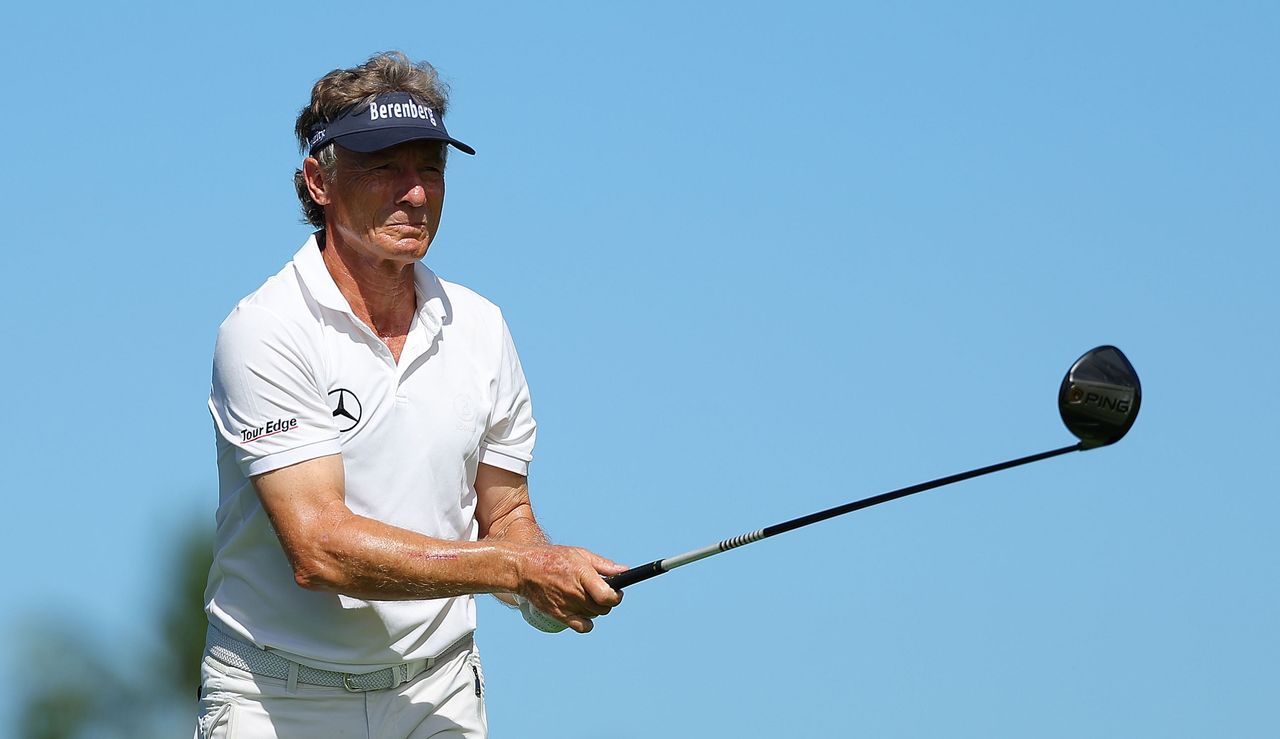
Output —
(367, 142)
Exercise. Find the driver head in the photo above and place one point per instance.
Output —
(1099, 397)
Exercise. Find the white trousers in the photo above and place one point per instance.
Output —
(445, 702)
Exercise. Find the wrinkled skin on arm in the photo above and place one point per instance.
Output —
(332, 549)
(505, 514)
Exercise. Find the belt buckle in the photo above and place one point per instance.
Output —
(352, 687)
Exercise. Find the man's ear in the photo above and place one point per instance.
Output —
(316, 185)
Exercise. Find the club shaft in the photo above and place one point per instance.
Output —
(658, 567)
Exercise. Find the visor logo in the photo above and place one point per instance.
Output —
(346, 408)
(383, 111)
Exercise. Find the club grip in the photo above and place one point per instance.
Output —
(635, 575)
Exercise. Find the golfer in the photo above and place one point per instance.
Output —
(374, 434)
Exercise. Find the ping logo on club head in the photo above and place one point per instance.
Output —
(1102, 401)
(346, 408)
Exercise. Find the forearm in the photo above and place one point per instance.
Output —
(333, 549)
(368, 559)
(504, 510)
(519, 527)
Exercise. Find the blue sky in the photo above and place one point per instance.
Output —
(759, 260)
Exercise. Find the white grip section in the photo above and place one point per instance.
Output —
(680, 560)
(537, 619)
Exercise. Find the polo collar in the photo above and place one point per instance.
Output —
(432, 309)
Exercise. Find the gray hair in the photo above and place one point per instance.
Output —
(344, 89)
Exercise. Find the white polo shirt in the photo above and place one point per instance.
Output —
(296, 375)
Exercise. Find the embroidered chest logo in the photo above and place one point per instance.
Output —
(465, 411)
(346, 408)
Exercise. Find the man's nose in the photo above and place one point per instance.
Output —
(415, 194)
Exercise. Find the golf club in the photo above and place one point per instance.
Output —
(1098, 402)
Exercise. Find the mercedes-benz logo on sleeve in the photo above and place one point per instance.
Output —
(346, 408)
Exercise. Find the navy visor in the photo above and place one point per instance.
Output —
(393, 118)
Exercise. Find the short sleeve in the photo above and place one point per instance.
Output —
(266, 397)
(509, 437)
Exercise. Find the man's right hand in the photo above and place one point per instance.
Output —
(567, 584)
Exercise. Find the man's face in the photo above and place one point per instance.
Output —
(387, 204)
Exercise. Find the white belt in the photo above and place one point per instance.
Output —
(235, 653)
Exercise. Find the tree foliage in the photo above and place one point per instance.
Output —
(77, 688)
